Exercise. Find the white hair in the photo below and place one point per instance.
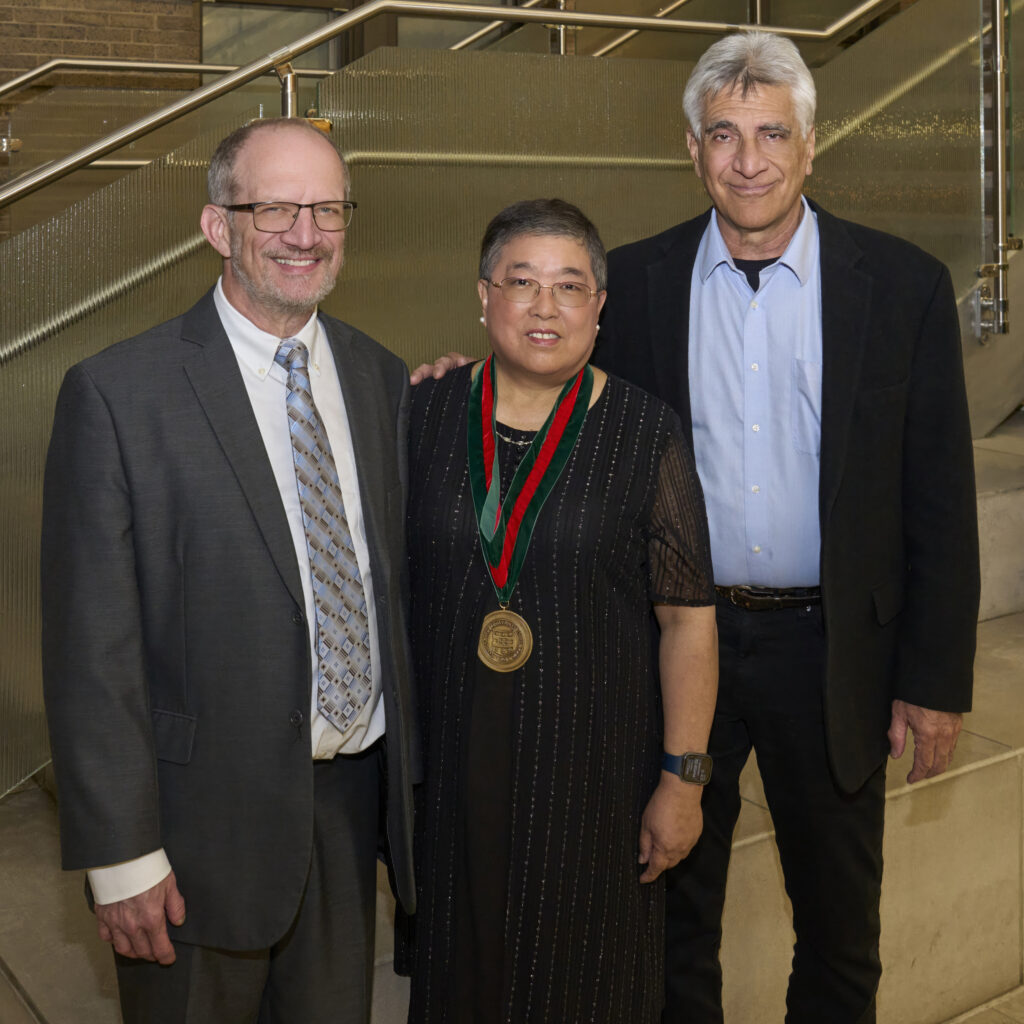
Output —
(746, 60)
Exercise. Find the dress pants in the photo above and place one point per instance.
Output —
(321, 970)
(830, 843)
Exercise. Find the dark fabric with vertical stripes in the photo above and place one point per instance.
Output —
(624, 526)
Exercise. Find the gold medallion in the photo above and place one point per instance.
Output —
(505, 641)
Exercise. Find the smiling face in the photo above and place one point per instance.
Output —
(277, 280)
(540, 342)
(753, 159)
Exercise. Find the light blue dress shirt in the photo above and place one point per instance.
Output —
(755, 398)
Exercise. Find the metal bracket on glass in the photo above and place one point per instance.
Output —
(993, 307)
(8, 145)
(991, 310)
(991, 269)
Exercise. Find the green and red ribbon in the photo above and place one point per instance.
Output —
(507, 527)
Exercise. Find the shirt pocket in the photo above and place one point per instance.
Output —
(806, 408)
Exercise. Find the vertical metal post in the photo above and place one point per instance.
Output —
(289, 90)
(558, 34)
(993, 294)
(999, 177)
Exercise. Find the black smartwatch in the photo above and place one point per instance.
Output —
(695, 768)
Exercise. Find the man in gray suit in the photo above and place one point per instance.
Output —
(225, 658)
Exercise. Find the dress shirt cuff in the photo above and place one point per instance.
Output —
(120, 881)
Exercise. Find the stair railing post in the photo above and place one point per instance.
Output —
(993, 298)
(289, 90)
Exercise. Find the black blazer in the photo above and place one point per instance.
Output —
(175, 647)
(897, 504)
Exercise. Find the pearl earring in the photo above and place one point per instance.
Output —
(482, 320)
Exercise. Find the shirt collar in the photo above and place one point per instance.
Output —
(255, 348)
(800, 256)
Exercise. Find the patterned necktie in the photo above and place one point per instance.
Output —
(343, 641)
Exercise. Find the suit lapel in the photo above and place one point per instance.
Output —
(845, 313)
(216, 379)
(668, 299)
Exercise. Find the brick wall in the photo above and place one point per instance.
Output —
(35, 31)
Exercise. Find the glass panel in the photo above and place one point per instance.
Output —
(522, 39)
(133, 256)
(663, 45)
(898, 133)
(437, 32)
(1015, 113)
(811, 14)
(238, 34)
(62, 120)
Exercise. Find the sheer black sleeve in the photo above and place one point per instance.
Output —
(679, 553)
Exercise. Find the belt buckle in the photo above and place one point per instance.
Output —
(751, 598)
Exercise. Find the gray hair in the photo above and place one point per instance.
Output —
(543, 217)
(221, 182)
(746, 60)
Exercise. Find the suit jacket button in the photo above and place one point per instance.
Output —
(297, 618)
(296, 718)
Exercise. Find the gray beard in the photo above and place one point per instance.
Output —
(267, 295)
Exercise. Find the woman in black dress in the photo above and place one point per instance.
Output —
(559, 558)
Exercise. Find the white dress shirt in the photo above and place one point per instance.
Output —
(266, 386)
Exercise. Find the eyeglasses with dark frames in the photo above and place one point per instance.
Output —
(525, 289)
(276, 218)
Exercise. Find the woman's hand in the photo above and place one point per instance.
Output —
(671, 824)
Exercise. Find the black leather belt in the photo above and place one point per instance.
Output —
(766, 599)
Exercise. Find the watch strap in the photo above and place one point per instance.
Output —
(690, 767)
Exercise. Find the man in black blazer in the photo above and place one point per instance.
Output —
(189, 626)
(818, 366)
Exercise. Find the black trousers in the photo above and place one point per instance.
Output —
(830, 843)
(321, 970)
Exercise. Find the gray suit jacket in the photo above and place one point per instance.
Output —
(897, 504)
(175, 645)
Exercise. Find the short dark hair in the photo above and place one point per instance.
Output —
(221, 183)
(543, 217)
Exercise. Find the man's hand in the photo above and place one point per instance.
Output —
(440, 368)
(671, 824)
(935, 734)
(137, 926)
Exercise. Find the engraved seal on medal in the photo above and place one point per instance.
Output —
(505, 641)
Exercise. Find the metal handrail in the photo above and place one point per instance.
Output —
(829, 32)
(148, 66)
(279, 61)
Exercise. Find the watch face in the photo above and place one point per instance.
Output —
(696, 769)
